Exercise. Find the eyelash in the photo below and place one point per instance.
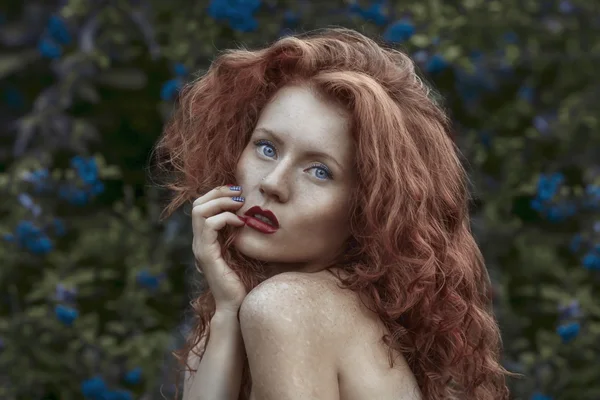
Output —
(321, 166)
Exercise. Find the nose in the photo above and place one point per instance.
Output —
(275, 185)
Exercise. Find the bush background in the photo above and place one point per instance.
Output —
(93, 287)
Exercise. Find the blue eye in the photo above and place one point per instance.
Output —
(268, 144)
(320, 167)
(326, 173)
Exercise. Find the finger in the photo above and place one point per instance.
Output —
(214, 224)
(213, 207)
(217, 192)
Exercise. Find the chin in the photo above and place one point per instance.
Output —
(253, 248)
(263, 248)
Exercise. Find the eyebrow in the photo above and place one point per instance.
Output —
(312, 153)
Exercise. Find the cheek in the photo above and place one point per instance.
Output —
(242, 168)
(326, 216)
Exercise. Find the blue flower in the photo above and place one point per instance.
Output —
(548, 186)
(40, 174)
(180, 70)
(41, 246)
(73, 195)
(539, 396)
(97, 188)
(568, 332)
(526, 93)
(32, 238)
(486, 139)
(87, 170)
(58, 30)
(558, 212)
(399, 31)
(93, 388)
(65, 294)
(566, 7)
(147, 280)
(537, 204)
(219, 9)
(248, 24)
(49, 48)
(27, 229)
(39, 178)
(239, 13)
(591, 261)
(13, 97)
(290, 17)
(170, 89)
(117, 395)
(510, 37)
(66, 314)
(571, 310)
(134, 376)
(553, 214)
(420, 56)
(576, 243)
(375, 12)
(541, 123)
(59, 227)
(27, 202)
(471, 85)
(593, 191)
(436, 64)
(476, 56)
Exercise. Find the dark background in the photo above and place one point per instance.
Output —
(93, 286)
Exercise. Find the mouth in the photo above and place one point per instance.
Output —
(261, 220)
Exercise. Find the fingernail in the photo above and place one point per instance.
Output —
(235, 188)
(239, 199)
(242, 219)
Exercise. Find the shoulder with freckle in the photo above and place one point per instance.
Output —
(311, 298)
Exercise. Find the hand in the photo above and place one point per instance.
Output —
(211, 213)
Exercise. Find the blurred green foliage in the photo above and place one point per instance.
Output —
(93, 287)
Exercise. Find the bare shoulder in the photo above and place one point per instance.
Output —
(300, 304)
(289, 326)
(303, 294)
(313, 313)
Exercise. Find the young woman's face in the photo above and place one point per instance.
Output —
(280, 170)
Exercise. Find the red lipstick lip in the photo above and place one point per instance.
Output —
(266, 213)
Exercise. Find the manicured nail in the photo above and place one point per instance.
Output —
(239, 199)
(242, 219)
(235, 188)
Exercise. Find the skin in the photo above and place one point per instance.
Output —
(298, 327)
(305, 338)
(281, 175)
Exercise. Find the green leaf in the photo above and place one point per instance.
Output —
(512, 53)
(10, 63)
(420, 40)
(553, 293)
(37, 311)
(123, 78)
(88, 92)
(451, 53)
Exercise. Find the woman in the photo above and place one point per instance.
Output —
(339, 260)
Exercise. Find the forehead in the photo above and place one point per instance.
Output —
(302, 118)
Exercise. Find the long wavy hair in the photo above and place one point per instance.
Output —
(411, 254)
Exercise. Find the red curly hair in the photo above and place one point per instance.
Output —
(411, 251)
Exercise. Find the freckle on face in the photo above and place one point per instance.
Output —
(313, 211)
